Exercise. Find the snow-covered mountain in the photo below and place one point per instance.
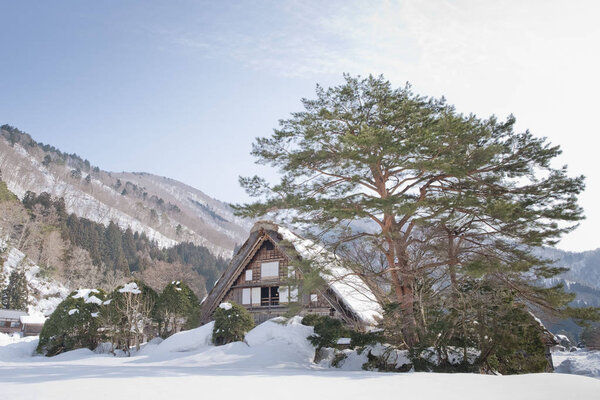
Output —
(584, 267)
(166, 210)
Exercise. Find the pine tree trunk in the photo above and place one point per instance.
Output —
(452, 270)
(403, 282)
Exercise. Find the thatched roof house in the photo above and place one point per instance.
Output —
(264, 276)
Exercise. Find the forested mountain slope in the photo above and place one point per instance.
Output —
(167, 211)
(584, 267)
(78, 252)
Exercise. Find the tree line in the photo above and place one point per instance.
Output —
(121, 249)
(123, 319)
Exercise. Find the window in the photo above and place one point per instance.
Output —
(288, 294)
(248, 275)
(294, 294)
(255, 296)
(14, 324)
(246, 296)
(269, 270)
(269, 296)
(314, 298)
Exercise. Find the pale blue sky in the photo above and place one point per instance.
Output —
(181, 88)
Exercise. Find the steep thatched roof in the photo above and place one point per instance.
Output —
(346, 291)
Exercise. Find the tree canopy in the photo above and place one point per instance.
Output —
(430, 200)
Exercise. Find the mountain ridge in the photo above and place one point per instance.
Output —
(166, 210)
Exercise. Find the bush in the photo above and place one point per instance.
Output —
(232, 322)
(73, 325)
(310, 319)
(327, 330)
(361, 339)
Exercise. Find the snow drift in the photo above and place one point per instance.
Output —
(275, 358)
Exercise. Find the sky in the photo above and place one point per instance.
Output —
(181, 88)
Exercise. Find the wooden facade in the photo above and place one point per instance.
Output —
(17, 321)
(260, 278)
(10, 321)
(267, 295)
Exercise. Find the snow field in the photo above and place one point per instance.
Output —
(580, 362)
(275, 359)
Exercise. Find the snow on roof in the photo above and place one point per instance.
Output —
(345, 283)
(131, 287)
(33, 319)
(11, 314)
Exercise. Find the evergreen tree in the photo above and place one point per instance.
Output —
(177, 307)
(131, 308)
(15, 295)
(129, 244)
(416, 169)
(2, 277)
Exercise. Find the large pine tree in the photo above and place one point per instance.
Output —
(446, 194)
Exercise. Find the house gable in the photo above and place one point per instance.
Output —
(257, 278)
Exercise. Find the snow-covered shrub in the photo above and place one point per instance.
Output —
(74, 324)
(375, 357)
(232, 322)
(449, 359)
(382, 357)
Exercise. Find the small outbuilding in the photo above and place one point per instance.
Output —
(31, 325)
(10, 320)
(18, 321)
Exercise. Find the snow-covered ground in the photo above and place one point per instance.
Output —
(580, 362)
(275, 362)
